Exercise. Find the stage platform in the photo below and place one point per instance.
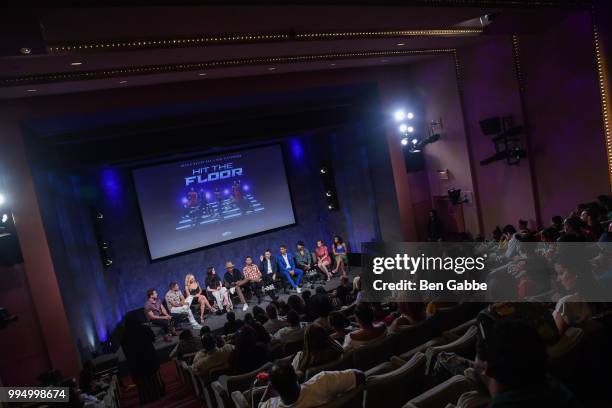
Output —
(215, 322)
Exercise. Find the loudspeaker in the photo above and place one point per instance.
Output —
(415, 161)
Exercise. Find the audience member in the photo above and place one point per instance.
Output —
(262, 334)
(232, 325)
(577, 281)
(341, 326)
(188, 345)
(137, 345)
(296, 303)
(410, 313)
(211, 356)
(318, 349)
(511, 361)
(293, 331)
(321, 306)
(179, 305)
(273, 324)
(259, 314)
(234, 281)
(319, 390)
(248, 353)
(367, 333)
(342, 293)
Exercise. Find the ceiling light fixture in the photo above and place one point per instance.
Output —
(76, 64)
(202, 74)
(271, 68)
(123, 82)
(401, 44)
(32, 90)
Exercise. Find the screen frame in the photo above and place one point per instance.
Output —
(131, 169)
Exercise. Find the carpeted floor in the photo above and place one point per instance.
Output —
(178, 395)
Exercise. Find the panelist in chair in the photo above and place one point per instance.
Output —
(287, 267)
(303, 258)
(233, 281)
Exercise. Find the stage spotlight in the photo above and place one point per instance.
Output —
(328, 194)
(403, 128)
(410, 129)
(99, 215)
(399, 115)
(410, 115)
(330, 207)
(107, 263)
(404, 141)
(2, 199)
(323, 170)
(4, 218)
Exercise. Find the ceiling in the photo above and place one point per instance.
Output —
(63, 50)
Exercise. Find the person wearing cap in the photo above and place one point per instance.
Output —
(233, 281)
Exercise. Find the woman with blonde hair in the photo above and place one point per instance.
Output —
(192, 288)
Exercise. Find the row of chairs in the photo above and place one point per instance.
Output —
(390, 383)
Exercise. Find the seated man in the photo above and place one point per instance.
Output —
(234, 281)
(286, 266)
(211, 356)
(269, 269)
(273, 324)
(157, 314)
(512, 362)
(253, 275)
(303, 259)
(319, 390)
(179, 305)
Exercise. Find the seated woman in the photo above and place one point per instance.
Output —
(367, 334)
(192, 288)
(341, 326)
(323, 259)
(574, 275)
(219, 292)
(319, 349)
(340, 254)
(411, 313)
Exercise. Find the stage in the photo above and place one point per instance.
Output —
(215, 322)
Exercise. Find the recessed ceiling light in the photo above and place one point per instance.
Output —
(123, 82)
(333, 64)
(76, 64)
(202, 74)
(32, 90)
(271, 68)
(401, 44)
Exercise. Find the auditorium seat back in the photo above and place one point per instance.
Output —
(225, 385)
(367, 357)
(442, 394)
(394, 388)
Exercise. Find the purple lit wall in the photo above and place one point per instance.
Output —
(564, 112)
(491, 89)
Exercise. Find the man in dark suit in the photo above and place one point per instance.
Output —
(269, 272)
(286, 266)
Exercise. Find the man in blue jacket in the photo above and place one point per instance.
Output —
(286, 266)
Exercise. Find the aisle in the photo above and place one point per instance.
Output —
(178, 395)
